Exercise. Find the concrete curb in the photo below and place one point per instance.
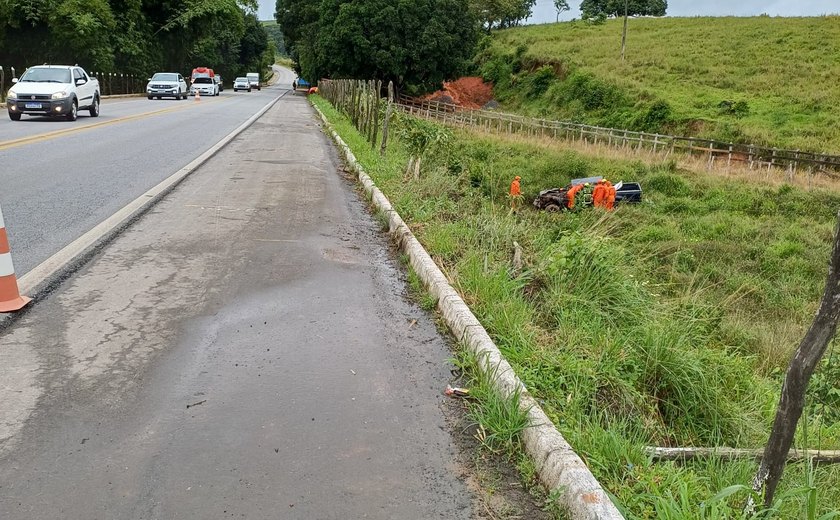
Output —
(558, 466)
(41, 280)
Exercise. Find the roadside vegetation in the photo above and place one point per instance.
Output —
(760, 80)
(136, 37)
(667, 324)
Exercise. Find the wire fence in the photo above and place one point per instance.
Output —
(715, 152)
(110, 83)
(362, 102)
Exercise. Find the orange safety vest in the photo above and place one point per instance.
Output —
(610, 197)
(514, 189)
(599, 195)
(571, 195)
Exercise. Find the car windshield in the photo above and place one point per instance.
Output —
(165, 76)
(203, 80)
(241, 80)
(46, 75)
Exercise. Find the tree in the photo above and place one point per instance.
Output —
(590, 9)
(417, 44)
(299, 22)
(561, 6)
(129, 36)
(275, 34)
(500, 14)
(802, 365)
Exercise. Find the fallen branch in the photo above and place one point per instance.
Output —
(684, 454)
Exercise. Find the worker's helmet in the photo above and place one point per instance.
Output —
(517, 177)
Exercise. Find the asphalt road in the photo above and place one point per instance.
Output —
(59, 179)
(243, 350)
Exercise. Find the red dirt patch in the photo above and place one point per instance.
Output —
(468, 92)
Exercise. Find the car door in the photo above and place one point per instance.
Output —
(86, 90)
(182, 83)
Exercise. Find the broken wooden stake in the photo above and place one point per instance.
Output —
(685, 454)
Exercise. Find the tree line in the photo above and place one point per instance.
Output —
(417, 44)
(136, 36)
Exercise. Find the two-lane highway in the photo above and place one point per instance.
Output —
(59, 179)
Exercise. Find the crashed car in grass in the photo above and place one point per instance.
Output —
(556, 199)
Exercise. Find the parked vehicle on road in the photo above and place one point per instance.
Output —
(206, 86)
(167, 84)
(254, 80)
(53, 90)
(220, 83)
(204, 81)
(241, 84)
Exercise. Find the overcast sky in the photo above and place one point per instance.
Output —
(544, 10)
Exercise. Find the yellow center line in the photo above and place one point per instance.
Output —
(5, 145)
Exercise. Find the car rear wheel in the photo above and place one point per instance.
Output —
(94, 108)
(552, 208)
(15, 116)
(74, 111)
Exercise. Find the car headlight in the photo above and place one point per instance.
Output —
(59, 95)
(11, 95)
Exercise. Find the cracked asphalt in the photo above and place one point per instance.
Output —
(245, 350)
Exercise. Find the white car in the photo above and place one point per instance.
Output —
(241, 84)
(53, 90)
(254, 80)
(206, 86)
(167, 84)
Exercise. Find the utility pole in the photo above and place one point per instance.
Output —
(624, 31)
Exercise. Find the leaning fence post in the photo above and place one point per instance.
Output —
(388, 110)
(729, 158)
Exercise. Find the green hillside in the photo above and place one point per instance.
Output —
(771, 81)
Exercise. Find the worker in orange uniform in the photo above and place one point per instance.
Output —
(610, 202)
(515, 194)
(572, 194)
(599, 194)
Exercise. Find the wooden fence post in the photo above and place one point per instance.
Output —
(387, 121)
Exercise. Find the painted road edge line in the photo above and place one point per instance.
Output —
(559, 467)
(41, 280)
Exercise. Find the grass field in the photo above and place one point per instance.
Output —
(666, 323)
(761, 80)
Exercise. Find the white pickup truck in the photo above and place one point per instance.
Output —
(53, 90)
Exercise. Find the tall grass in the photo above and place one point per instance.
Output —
(764, 80)
(666, 323)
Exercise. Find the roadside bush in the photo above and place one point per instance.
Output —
(537, 83)
(668, 184)
(591, 92)
(655, 118)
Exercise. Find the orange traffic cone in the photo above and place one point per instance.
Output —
(197, 95)
(10, 298)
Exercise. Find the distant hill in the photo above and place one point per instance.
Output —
(771, 81)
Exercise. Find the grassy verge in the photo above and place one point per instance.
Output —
(761, 80)
(667, 323)
(497, 423)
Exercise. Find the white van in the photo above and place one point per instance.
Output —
(254, 79)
